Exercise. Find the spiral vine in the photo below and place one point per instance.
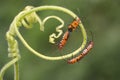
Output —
(26, 18)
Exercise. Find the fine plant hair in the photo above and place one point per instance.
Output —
(26, 18)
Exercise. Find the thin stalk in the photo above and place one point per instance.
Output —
(16, 71)
(6, 66)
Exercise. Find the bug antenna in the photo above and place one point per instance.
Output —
(92, 35)
(78, 11)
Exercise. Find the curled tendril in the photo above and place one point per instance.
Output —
(26, 18)
(30, 12)
(58, 28)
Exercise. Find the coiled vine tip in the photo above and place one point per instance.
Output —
(31, 14)
(27, 18)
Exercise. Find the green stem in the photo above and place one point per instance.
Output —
(6, 66)
(16, 71)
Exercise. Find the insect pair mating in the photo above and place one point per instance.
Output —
(62, 43)
(71, 28)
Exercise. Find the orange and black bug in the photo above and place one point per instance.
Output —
(64, 39)
(85, 52)
(74, 25)
(71, 27)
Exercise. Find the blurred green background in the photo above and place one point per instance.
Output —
(102, 17)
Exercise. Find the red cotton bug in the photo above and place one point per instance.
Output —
(64, 39)
(74, 24)
(85, 52)
(71, 27)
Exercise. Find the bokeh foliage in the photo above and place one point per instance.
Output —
(99, 16)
